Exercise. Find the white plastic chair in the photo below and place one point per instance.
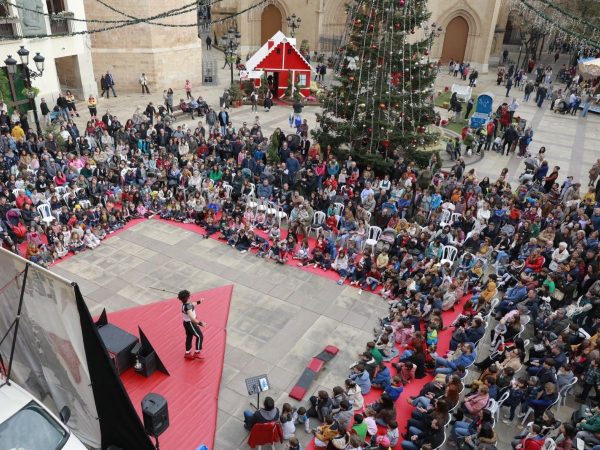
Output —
(372, 238)
(17, 191)
(262, 204)
(449, 254)
(549, 444)
(445, 218)
(281, 215)
(493, 407)
(251, 201)
(500, 402)
(228, 189)
(564, 391)
(317, 222)
(272, 208)
(44, 210)
(61, 190)
(368, 214)
(455, 217)
(85, 204)
(339, 208)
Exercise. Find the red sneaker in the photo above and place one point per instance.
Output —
(188, 356)
(197, 355)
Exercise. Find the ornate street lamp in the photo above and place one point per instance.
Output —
(293, 22)
(26, 75)
(231, 42)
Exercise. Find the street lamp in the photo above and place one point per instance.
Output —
(432, 31)
(231, 41)
(26, 75)
(293, 22)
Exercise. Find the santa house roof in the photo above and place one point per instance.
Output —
(274, 42)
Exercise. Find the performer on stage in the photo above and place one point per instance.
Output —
(191, 325)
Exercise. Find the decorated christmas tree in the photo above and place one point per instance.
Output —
(380, 104)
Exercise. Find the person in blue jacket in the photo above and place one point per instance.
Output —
(465, 358)
(383, 378)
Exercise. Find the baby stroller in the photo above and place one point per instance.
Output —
(15, 225)
(561, 106)
(386, 240)
(54, 116)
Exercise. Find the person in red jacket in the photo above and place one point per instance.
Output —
(534, 262)
(533, 441)
(22, 199)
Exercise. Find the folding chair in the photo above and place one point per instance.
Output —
(45, 212)
(372, 237)
(317, 222)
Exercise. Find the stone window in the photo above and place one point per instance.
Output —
(6, 27)
(57, 25)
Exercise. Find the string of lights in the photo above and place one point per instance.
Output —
(569, 15)
(553, 25)
(126, 23)
(169, 13)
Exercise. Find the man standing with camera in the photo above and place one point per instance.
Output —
(191, 325)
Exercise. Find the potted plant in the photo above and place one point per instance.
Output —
(31, 92)
(236, 94)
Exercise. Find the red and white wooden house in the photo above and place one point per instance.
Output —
(276, 60)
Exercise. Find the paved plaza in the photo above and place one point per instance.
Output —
(281, 316)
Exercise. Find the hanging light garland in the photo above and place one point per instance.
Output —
(124, 23)
(562, 25)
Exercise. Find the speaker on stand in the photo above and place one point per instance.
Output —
(156, 415)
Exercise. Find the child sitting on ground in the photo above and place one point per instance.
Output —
(303, 252)
(302, 418)
(287, 421)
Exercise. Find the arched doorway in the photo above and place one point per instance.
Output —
(271, 22)
(455, 40)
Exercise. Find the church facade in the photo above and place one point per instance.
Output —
(472, 30)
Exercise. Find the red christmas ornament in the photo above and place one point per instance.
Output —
(414, 141)
(382, 105)
(371, 27)
(426, 52)
(374, 47)
(401, 3)
(397, 26)
(412, 31)
(421, 130)
(351, 78)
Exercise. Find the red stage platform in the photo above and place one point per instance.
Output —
(192, 389)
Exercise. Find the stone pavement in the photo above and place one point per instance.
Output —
(280, 316)
(572, 142)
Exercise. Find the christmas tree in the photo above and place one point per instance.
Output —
(379, 105)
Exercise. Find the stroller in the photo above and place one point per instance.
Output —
(15, 224)
(386, 240)
(561, 106)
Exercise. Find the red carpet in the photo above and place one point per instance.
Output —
(331, 274)
(192, 389)
(403, 409)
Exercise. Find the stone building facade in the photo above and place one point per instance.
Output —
(68, 62)
(168, 56)
(472, 30)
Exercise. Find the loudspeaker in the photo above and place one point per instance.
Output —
(156, 414)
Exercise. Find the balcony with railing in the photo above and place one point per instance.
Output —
(7, 27)
(59, 16)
